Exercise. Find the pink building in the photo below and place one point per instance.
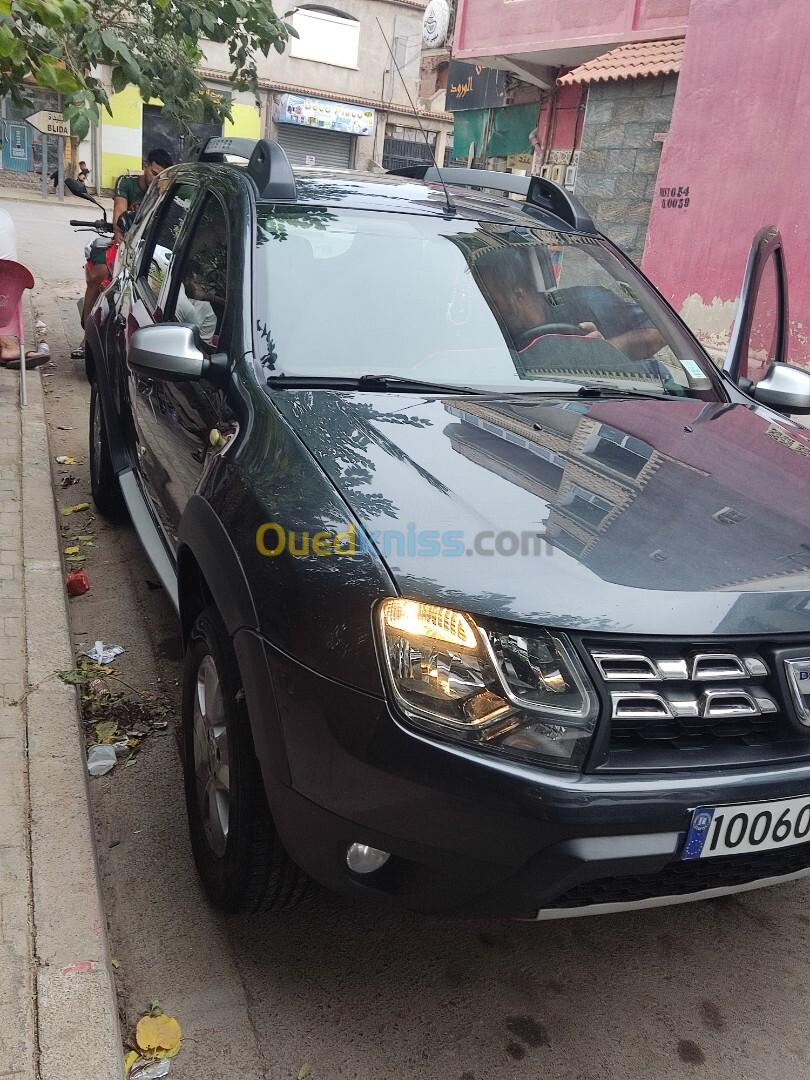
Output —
(733, 147)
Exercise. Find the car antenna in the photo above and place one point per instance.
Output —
(450, 208)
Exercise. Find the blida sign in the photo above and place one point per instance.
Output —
(49, 123)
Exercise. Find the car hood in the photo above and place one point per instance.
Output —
(628, 515)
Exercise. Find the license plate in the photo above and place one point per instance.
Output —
(747, 827)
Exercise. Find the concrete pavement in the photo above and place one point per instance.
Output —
(54, 961)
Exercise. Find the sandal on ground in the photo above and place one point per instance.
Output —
(32, 360)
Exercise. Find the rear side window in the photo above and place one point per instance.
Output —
(163, 238)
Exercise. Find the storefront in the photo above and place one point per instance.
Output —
(316, 131)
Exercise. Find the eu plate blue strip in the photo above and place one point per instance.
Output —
(698, 832)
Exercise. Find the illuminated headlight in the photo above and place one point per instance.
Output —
(522, 693)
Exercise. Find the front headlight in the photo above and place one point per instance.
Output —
(523, 693)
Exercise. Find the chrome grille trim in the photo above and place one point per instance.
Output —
(619, 666)
(711, 705)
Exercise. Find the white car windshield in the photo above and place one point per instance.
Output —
(344, 293)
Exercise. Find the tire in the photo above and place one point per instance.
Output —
(103, 481)
(239, 856)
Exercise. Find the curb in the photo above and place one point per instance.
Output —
(77, 1017)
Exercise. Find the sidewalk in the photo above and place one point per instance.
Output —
(58, 1016)
(22, 194)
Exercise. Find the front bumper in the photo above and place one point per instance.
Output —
(480, 834)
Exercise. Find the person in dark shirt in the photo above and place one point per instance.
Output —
(129, 194)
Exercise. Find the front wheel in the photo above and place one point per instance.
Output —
(239, 856)
(103, 481)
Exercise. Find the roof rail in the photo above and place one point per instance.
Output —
(537, 190)
(267, 164)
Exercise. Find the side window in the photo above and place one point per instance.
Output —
(163, 239)
(201, 284)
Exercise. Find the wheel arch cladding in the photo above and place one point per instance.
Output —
(210, 572)
(206, 556)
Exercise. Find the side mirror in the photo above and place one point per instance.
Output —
(125, 221)
(785, 388)
(167, 351)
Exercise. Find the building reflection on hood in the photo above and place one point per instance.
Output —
(675, 495)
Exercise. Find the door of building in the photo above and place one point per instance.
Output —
(314, 146)
(407, 146)
(17, 146)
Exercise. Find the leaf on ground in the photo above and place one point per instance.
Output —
(158, 1036)
(130, 1060)
(66, 459)
(77, 508)
(105, 731)
(116, 964)
(73, 550)
(86, 538)
(304, 1072)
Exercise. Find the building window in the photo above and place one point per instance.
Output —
(326, 36)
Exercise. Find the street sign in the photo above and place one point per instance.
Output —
(49, 123)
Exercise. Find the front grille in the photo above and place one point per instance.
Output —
(680, 878)
(672, 704)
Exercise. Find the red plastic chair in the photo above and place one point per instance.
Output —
(14, 280)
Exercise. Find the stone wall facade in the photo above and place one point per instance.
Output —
(619, 155)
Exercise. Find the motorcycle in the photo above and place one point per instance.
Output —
(104, 241)
(104, 236)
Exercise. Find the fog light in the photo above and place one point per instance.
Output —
(362, 859)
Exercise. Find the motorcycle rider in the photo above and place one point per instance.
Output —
(129, 193)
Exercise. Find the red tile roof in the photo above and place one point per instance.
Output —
(632, 61)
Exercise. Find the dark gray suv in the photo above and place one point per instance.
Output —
(495, 592)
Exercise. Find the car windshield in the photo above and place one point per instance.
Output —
(345, 293)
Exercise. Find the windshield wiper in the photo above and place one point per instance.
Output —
(365, 382)
(598, 390)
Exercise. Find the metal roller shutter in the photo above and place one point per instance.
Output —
(313, 146)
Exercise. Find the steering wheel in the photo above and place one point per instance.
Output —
(568, 329)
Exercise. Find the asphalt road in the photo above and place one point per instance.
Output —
(719, 989)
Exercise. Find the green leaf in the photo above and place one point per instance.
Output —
(119, 79)
(110, 41)
(8, 41)
(105, 731)
(80, 125)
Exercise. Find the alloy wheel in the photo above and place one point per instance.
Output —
(211, 757)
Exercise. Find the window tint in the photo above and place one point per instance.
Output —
(163, 238)
(201, 290)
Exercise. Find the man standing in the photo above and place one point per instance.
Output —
(129, 194)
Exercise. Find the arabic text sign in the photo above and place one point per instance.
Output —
(49, 123)
(472, 87)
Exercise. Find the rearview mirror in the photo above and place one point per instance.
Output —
(785, 388)
(77, 189)
(167, 351)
